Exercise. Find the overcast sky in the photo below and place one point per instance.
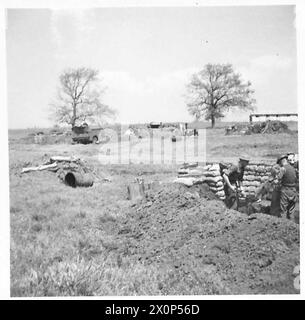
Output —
(146, 55)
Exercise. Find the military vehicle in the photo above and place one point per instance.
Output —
(85, 134)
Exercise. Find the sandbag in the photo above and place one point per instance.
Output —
(215, 167)
(246, 189)
(261, 169)
(213, 179)
(195, 172)
(216, 189)
(190, 165)
(254, 183)
(220, 193)
(251, 167)
(264, 178)
(249, 177)
(205, 168)
(211, 173)
(183, 171)
(216, 185)
(252, 189)
(190, 181)
(220, 183)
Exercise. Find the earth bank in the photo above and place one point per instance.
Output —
(194, 235)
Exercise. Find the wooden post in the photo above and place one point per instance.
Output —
(136, 190)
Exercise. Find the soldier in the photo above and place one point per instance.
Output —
(291, 158)
(288, 196)
(271, 190)
(233, 176)
(295, 163)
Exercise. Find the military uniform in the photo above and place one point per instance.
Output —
(275, 208)
(288, 195)
(270, 190)
(235, 175)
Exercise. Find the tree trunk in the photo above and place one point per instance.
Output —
(74, 115)
(213, 121)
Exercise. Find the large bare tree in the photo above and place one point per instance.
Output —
(79, 98)
(215, 90)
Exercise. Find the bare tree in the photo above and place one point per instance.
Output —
(79, 98)
(215, 90)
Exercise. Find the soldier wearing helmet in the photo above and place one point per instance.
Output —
(288, 193)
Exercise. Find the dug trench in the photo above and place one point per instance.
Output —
(190, 232)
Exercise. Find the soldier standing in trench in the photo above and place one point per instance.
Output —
(287, 178)
(271, 190)
(233, 176)
(291, 157)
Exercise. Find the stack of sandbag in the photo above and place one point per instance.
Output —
(210, 174)
(256, 173)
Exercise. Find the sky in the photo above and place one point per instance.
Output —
(146, 56)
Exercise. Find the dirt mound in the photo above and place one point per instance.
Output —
(266, 127)
(225, 251)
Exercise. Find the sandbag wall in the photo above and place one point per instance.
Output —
(209, 174)
(255, 174)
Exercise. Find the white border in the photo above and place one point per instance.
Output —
(61, 4)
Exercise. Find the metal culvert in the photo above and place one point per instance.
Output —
(75, 179)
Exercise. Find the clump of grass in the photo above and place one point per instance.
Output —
(83, 278)
(36, 227)
(89, 278)
(15, 209)
(106, 217)
(81, 214)
(38, 217)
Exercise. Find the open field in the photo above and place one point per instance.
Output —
(93, 241)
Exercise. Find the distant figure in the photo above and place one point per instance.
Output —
(181, 128)
(129, 132)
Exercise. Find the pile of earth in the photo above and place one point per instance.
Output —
(266, 127)
(203, 242)
(61, 165)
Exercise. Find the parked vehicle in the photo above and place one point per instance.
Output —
(85, 134)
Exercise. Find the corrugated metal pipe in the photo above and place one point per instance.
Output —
(75, 179)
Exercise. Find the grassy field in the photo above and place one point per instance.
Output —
(60, 236)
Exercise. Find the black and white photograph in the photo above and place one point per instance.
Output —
(153, 150)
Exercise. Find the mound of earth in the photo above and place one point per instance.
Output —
(266, 127)
(201, 241)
